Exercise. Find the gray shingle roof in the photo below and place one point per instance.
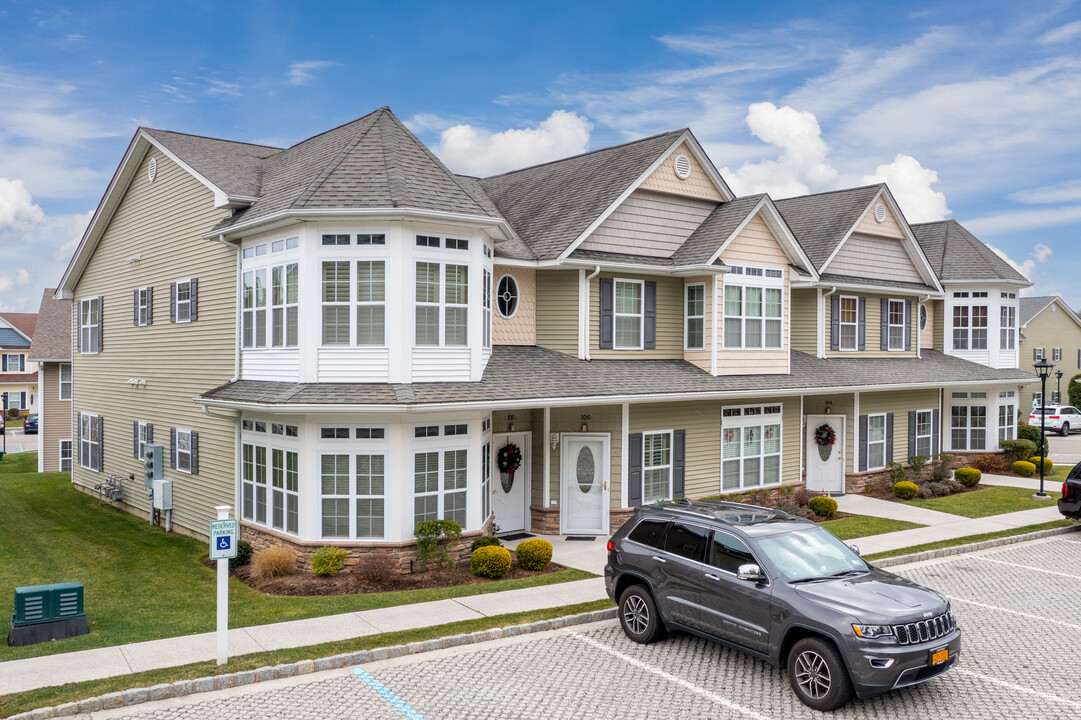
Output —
(234, 167)
(957, 254)
(516, 374)
(820, 222)
(875, 282)
(602, 256)
(550, 205)
(52, 334)
(1030, 307)
(714, 230)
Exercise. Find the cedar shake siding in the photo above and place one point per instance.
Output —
(161, 223)
(696, 184)
(521, 327)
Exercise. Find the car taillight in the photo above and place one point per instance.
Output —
(612, 545)
(1053, 417)
(1065, 492)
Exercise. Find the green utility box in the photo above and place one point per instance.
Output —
(47, 612)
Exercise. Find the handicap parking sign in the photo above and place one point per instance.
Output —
(223, 539)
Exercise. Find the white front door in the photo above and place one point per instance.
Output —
(825, 464)
(584, 485)
(509, 491)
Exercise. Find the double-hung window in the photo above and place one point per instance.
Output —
(253, 481)
(449, 304)
(1007, 327)
(629, 314)
(695, 328)
(968, 427)
(90, 441)
(656, 466)
(335, 298)
(1007, 417)
(185, 301)
(144, 313)
(876, 441)
(753, 315)
(750, 447)
(184, 451)
(90, 326)
(1056, 354)
(65, 456)
(440, 473)
(352, 485)
(896, 325)
(924, 428)
(254, 308)
(284, 298)
(371, 302)
(12, 362)
(284, 493)
(145, 434)
(65, 381)
(848, 323)
(365, 290)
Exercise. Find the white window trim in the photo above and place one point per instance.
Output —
(758, 283)
(90, 330)
(487, 293)
(143, 306)
(883, 442)
(186, 303)
(86, 456)
(1040, 354)
(347, 303)
(4, 360)
(1056, 354)
(1008, 329)
(687, 317)
(181, 453)
(924, 314)
(890, 325)
(70, 455)
(930, 431)
(356, 495)
(1010, 427)
(253, 483)
(641, 315)
(841, 324)
(257, 322)
(355, 303)
(286, 493)
(669, 467)
(517, 295)
(284, 306)
(759, 421)
(143, 442)
(968, 428)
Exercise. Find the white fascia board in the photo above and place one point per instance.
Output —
(705, 161)
(294, 409)
(988, 282)
(20, 332)
(1056, 300)
(877, 289)
(781, 233)
(222, 199)
(678, 270)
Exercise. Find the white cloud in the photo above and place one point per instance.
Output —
(303, 72)
(1069, 191)
(1040, 254)
(1062, 34)
(911, 184)
(17, 208)
(427, 122)
(5, 284)
(476, 151)
(1023, 220)
(22, 277)
(220, 87)
(802, 166)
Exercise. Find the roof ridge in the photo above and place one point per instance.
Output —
(209, 137)
(588, 152)
(832, 192)
(333, 165)
(338, 127)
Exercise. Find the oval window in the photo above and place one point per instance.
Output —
(585, 468)
(506, 296)
(923, 318)
(507, 481)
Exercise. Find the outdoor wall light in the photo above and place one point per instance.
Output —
(829, 406)
(554, 437)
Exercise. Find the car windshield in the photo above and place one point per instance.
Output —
(810, 554)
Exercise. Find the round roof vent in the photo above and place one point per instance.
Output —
(152, 169)
(880, 212)
(683, 167)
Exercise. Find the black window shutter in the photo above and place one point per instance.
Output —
(634, 470)
(934, 432)
(172, 302)
(135, 440)
(150, 306)
(908, 324)
(172, 448)
(607, 302)
(22, 368)
(79, 327)
(679, 463)
(194, 299)
(195, 453)
(135, 308)
(650, 316)
(861, 331)
(912, 433)
(835, 322)
(22, 399)
(885, 340)
(101, 443)
(889, 437)
(863, 443)
(101, 322)
(149, 433)
(1079, 359)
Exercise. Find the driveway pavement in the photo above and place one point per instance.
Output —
(1014, 664)
(18, 442)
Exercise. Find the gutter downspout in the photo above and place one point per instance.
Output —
(583, 311)
(238, 316)
(822, 323)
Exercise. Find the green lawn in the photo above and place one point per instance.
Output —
(142, 583)
(859, 526)
(994, 500)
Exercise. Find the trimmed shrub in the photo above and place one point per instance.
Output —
(1024, 468)
(1032, 432)
(13, 413)
(897, 472)
(492, 561)
(534, 554)
(905, 490)
(273, 562)
(428, 534)
(375, 568)
(484, 541)
(916, 462)
(1047, 464)
(802, 497)
(823, 506)
(940, 467)
(328, 561)
(954, 486)
(990, 463)
(1017, 449)
(244, 552)
(925, 492)
(938, 489)
(969, 477)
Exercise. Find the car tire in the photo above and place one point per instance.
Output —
(1064, 430)
(817, 675)
(639, 617)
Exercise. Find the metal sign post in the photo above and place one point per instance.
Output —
(224, 534)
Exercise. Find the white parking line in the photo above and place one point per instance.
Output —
(723, 701)
(1013, 612)
(1019, 688)
(1025, 567)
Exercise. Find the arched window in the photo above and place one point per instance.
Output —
(506, 296)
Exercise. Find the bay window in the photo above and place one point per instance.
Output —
(254, 308)
(451, 305)
(360, 284)
(284, 299)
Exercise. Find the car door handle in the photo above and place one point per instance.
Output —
(659, 559)
(712, 577)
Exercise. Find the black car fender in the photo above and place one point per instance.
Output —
(796, 631)
(626, 579)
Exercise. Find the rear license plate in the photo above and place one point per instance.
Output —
(939, 656)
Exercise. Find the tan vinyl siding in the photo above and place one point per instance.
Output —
(701, 358)
(162, 221)
(557, 310)
(938, 318)
(874, 257)
(874, 327)
(805, 321)
(649, 223)
(1051, 329)
(669, 319)
(890, 227)
(698, 184)
(927, 336)
(602, 419)
(521, 328)
(899, 403)
(54, 416)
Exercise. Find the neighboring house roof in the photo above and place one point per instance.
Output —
(820, 222)
(1030, 307)
(551, 205)
(12, 339)
(957, 254)
(20, 379)
(52, 336)
(23, 322)
(523, 374)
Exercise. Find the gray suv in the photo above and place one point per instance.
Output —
(780, 588)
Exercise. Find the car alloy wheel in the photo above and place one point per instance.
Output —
(638, 615)
(1065, 430)
(818, 675)
(812, 674)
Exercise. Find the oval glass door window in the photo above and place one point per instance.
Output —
(506, 296)
(507, 481)
(585, 468)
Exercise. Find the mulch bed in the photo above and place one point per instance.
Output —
(302, 583)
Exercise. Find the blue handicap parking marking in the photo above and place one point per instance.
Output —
(223, 542)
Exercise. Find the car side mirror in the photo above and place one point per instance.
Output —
(750, 571)
(854, 548)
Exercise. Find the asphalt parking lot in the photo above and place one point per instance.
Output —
(1013, 603)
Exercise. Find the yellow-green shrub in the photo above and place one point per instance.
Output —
(969, 477)
(1024, 469)
(823, 506)
(328, 560)
(273, 562)
(1047, 464)
(491, 561)
(905, 490)
(534, 554)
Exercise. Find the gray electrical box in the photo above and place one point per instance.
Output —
(163, 494)
(152, 464)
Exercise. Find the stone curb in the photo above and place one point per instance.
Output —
(182, 688)
(971, 547)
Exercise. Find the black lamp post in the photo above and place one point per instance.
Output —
(4, 405)
(1043, 369)
(1058, 393)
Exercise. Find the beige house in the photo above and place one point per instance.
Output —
(18, 374)
(51, 352)
(1049, 330)
(343, 338)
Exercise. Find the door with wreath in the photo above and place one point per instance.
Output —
(510, 482)
(824, 446)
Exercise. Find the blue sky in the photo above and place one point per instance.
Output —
(969, 110)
